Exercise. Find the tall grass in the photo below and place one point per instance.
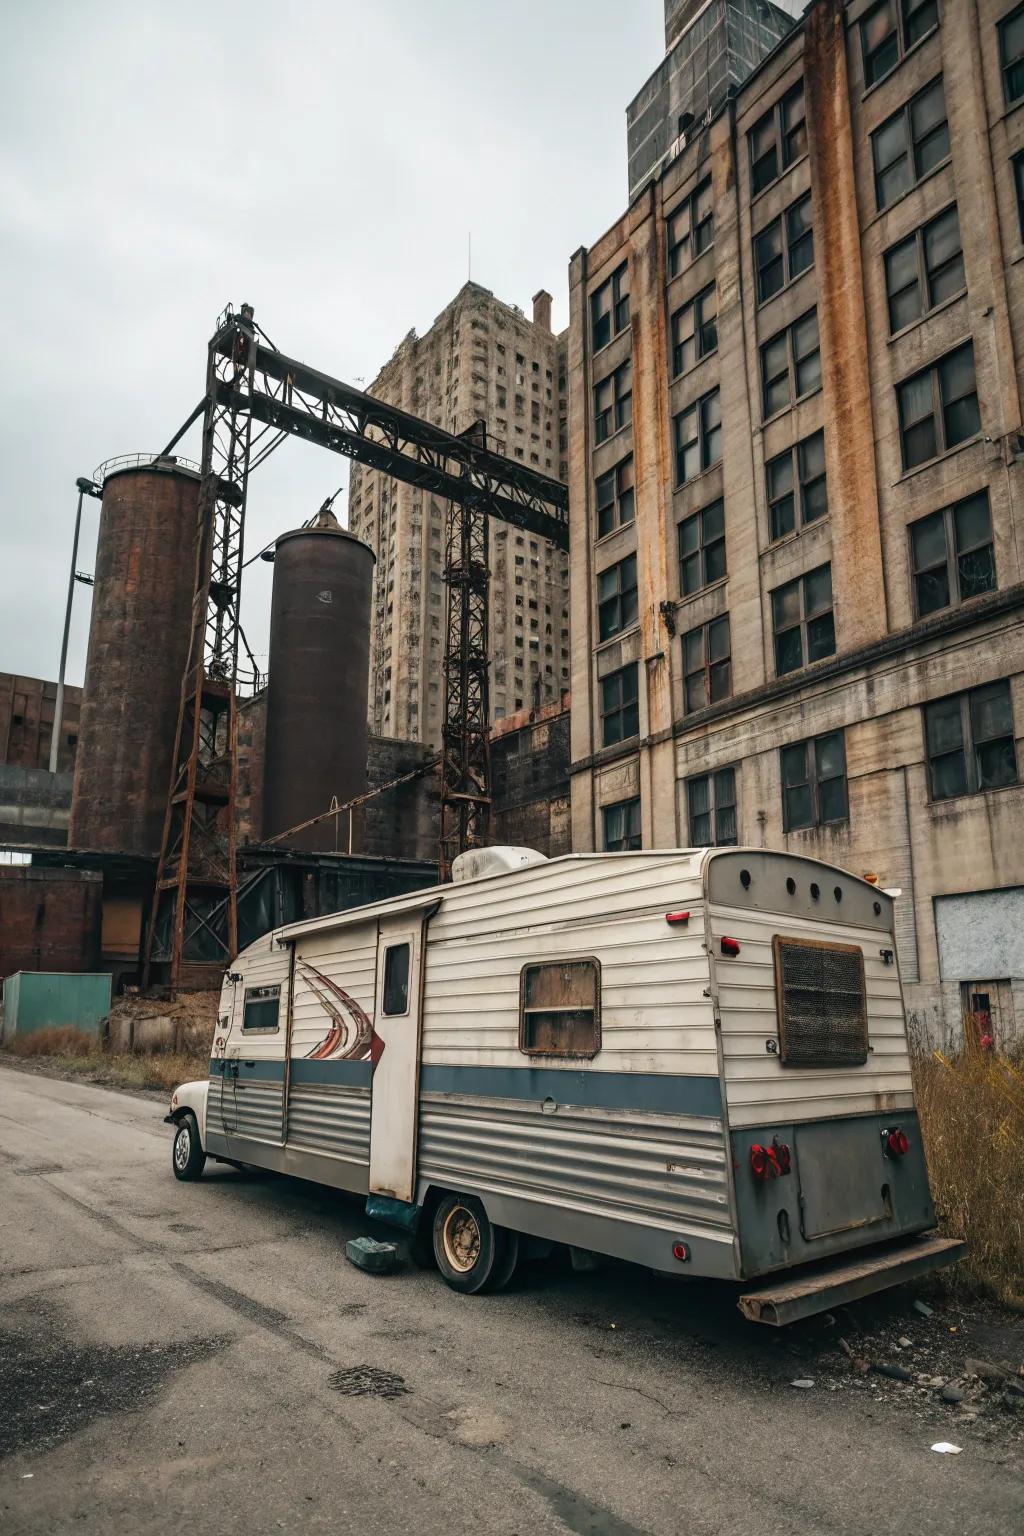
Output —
(971, 1109)
(75, 1054)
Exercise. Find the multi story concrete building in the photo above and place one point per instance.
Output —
(481, 359)
(797, 489)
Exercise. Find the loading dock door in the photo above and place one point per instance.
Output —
(394, 1108)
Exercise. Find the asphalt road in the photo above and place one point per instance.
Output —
(202, 1357)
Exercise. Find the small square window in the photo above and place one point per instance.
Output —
(560, 1008)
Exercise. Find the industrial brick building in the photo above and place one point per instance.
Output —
(796, 485)
(480, 360)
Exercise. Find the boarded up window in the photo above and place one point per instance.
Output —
(261, 1007)
(821, 1002)
(560, 1009)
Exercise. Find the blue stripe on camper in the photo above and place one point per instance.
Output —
(658, 1092)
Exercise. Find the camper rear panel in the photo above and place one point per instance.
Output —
(816, 1072)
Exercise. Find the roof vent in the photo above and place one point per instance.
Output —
(478, 863)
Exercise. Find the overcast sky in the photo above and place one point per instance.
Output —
(323, 161)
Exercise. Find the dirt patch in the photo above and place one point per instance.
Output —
(52, 1388)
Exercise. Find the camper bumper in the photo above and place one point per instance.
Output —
(820, 1287)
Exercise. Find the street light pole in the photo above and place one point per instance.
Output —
(85, 488)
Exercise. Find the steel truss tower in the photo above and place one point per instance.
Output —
(255, 398)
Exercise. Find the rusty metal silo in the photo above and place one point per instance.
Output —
(317, 733)
(138, 641)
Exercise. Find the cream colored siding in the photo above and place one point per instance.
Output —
(759, 1090)
(349, 957)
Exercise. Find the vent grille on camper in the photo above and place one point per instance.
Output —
(822, 1004)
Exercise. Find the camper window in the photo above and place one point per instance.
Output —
(261, 1009)
(560, 1008)
(396, 979)
(822, 1003)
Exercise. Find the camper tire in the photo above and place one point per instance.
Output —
(187, 1156)
(472, 1253)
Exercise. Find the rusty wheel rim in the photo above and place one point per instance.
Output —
(461, 1238)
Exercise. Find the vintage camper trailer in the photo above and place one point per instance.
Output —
(692, 1059)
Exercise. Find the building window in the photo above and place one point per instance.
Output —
(910, 144)
(924, 270)
(791, 364)
(814, 782)
(952, 555)
(888, 31)
(938, 407)
(702, 548)
(1011, 55)
(698, 432)
(690, 229)
(784, 249)
(695, 330)
(560, 1008)
(797, 478)
(777, 139)
(617, 598)
(609, 308)
(711, 809)
(620, 707)
(970, 742)
(613, 402)
(615, 497)
(707, 665)
(802, 620)
(622, 826)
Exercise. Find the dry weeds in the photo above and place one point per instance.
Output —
(971, 1109)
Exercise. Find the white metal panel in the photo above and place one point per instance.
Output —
(348, 958)
(394, 1112)
(759, 1089)
(981, 934)
(656, 1012)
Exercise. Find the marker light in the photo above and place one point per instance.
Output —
(730, 946)
(677, 918)
(896, 1143)
(681, 1252)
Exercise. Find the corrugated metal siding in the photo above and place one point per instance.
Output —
(651, 1169)
(759, 1089)
(655, 1015)
(349, 957)
(330, 1118)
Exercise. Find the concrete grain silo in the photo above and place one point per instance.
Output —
(138, 642)
(317, 733)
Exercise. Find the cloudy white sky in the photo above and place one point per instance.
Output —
(324, 161)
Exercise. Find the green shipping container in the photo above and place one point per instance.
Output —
(52, 999)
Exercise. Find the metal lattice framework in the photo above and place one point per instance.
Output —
(255, 398)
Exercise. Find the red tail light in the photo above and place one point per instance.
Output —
(730, 946)
(783, 1155)
(680, 1252)
(770, 1162)
(896, 1143)
(760, 1163)
(677, 917)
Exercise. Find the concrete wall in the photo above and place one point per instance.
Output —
(888, 663)
(26, 722)
(35, 805)
(530, 779)
(402, 823)
(49, 919)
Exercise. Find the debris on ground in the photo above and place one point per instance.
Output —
(946, 1449)
(374, 1257)
(803, 1382)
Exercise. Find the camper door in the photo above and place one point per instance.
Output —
(397, 1016)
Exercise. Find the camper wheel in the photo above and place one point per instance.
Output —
(187, 1156)
(472, 1253)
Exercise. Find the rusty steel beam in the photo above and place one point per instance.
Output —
(249, 381)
